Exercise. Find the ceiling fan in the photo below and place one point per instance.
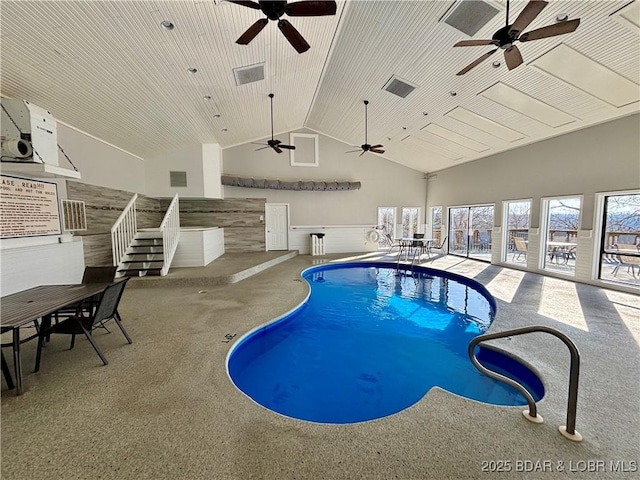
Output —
(509, 34)
(366, 147)
(276, 9)
(277, 145)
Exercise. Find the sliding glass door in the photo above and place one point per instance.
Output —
(470, 231)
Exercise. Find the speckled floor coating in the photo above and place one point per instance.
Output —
(164, 407)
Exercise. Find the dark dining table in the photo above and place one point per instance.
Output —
(39, 303)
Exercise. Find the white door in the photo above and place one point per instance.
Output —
(277, 226)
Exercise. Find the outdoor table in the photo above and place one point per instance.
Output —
(25, 307)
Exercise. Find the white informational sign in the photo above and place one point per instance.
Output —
(28, 208)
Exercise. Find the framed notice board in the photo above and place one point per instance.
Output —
(28, 208)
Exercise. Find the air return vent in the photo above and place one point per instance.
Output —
(249, 74)
(178, 179)
(469, 16)
(399, 87)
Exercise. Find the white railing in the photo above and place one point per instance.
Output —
(170, 229)
(124, 231)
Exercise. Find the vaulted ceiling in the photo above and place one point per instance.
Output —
(109, 69)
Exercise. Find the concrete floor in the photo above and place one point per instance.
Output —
(164, 407)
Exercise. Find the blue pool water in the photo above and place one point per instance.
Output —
(370, 342)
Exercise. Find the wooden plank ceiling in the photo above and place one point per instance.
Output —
(109, 69)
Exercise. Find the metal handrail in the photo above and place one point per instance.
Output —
(569, 430)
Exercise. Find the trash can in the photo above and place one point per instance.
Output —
(317, 244)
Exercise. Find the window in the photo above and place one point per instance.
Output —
(306, 151)
(559, 237)
(516, 222)
(410, 221)
(387, 220)
(436, 224)
(619, 253)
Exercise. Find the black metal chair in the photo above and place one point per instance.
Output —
(107, 309)
(7, 373)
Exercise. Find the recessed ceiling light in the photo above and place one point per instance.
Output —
(452, 93)
(167, 24)
(217, 115)
(225, 130)
(192, 70)
(496, 64)
(425, 113)
(563, 17)
(207, 97)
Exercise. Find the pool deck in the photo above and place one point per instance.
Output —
(164, 407)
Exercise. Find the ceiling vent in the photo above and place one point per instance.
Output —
(399, 87)
(178, 179)
(469, 16)
(249, 74)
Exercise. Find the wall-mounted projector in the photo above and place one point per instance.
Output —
(28, 133)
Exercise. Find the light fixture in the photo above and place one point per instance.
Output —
(452, 93)
(563, 17)
(496, 64)
(192, 70)
(225, 130)
(425, 113)
(217, 115)
(167, 24)
(207, 97)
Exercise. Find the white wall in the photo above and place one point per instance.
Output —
(202, 164)
(100, 163)
(211, 170)
(602, 158)
(384, 183)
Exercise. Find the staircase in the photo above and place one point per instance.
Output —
(138, 253)
(145, 255)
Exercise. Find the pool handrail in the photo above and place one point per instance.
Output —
(567, 431)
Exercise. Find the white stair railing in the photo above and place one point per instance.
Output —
(124, 231)
(170, 229)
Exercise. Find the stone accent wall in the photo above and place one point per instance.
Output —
(240, 218)
(103, 207)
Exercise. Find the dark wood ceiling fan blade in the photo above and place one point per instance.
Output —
(376, 146)
(258, 149)
(353, 151)
(293, 36)
(363, 152)
(277, 149)
(527, 15)
(474, 43)
(512, 57)
(375, 150)
(550, 30)
(246, 3)
(310, 9)
(252, 31)
(477, 62)
(288, 147)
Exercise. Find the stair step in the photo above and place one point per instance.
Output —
(148, 241)
(143, 261)
(134, 272)
(146, 253)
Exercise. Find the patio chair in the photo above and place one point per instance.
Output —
(107, 309)
(90, 275)
(520, 249)
(392, 243)
(442, 247)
